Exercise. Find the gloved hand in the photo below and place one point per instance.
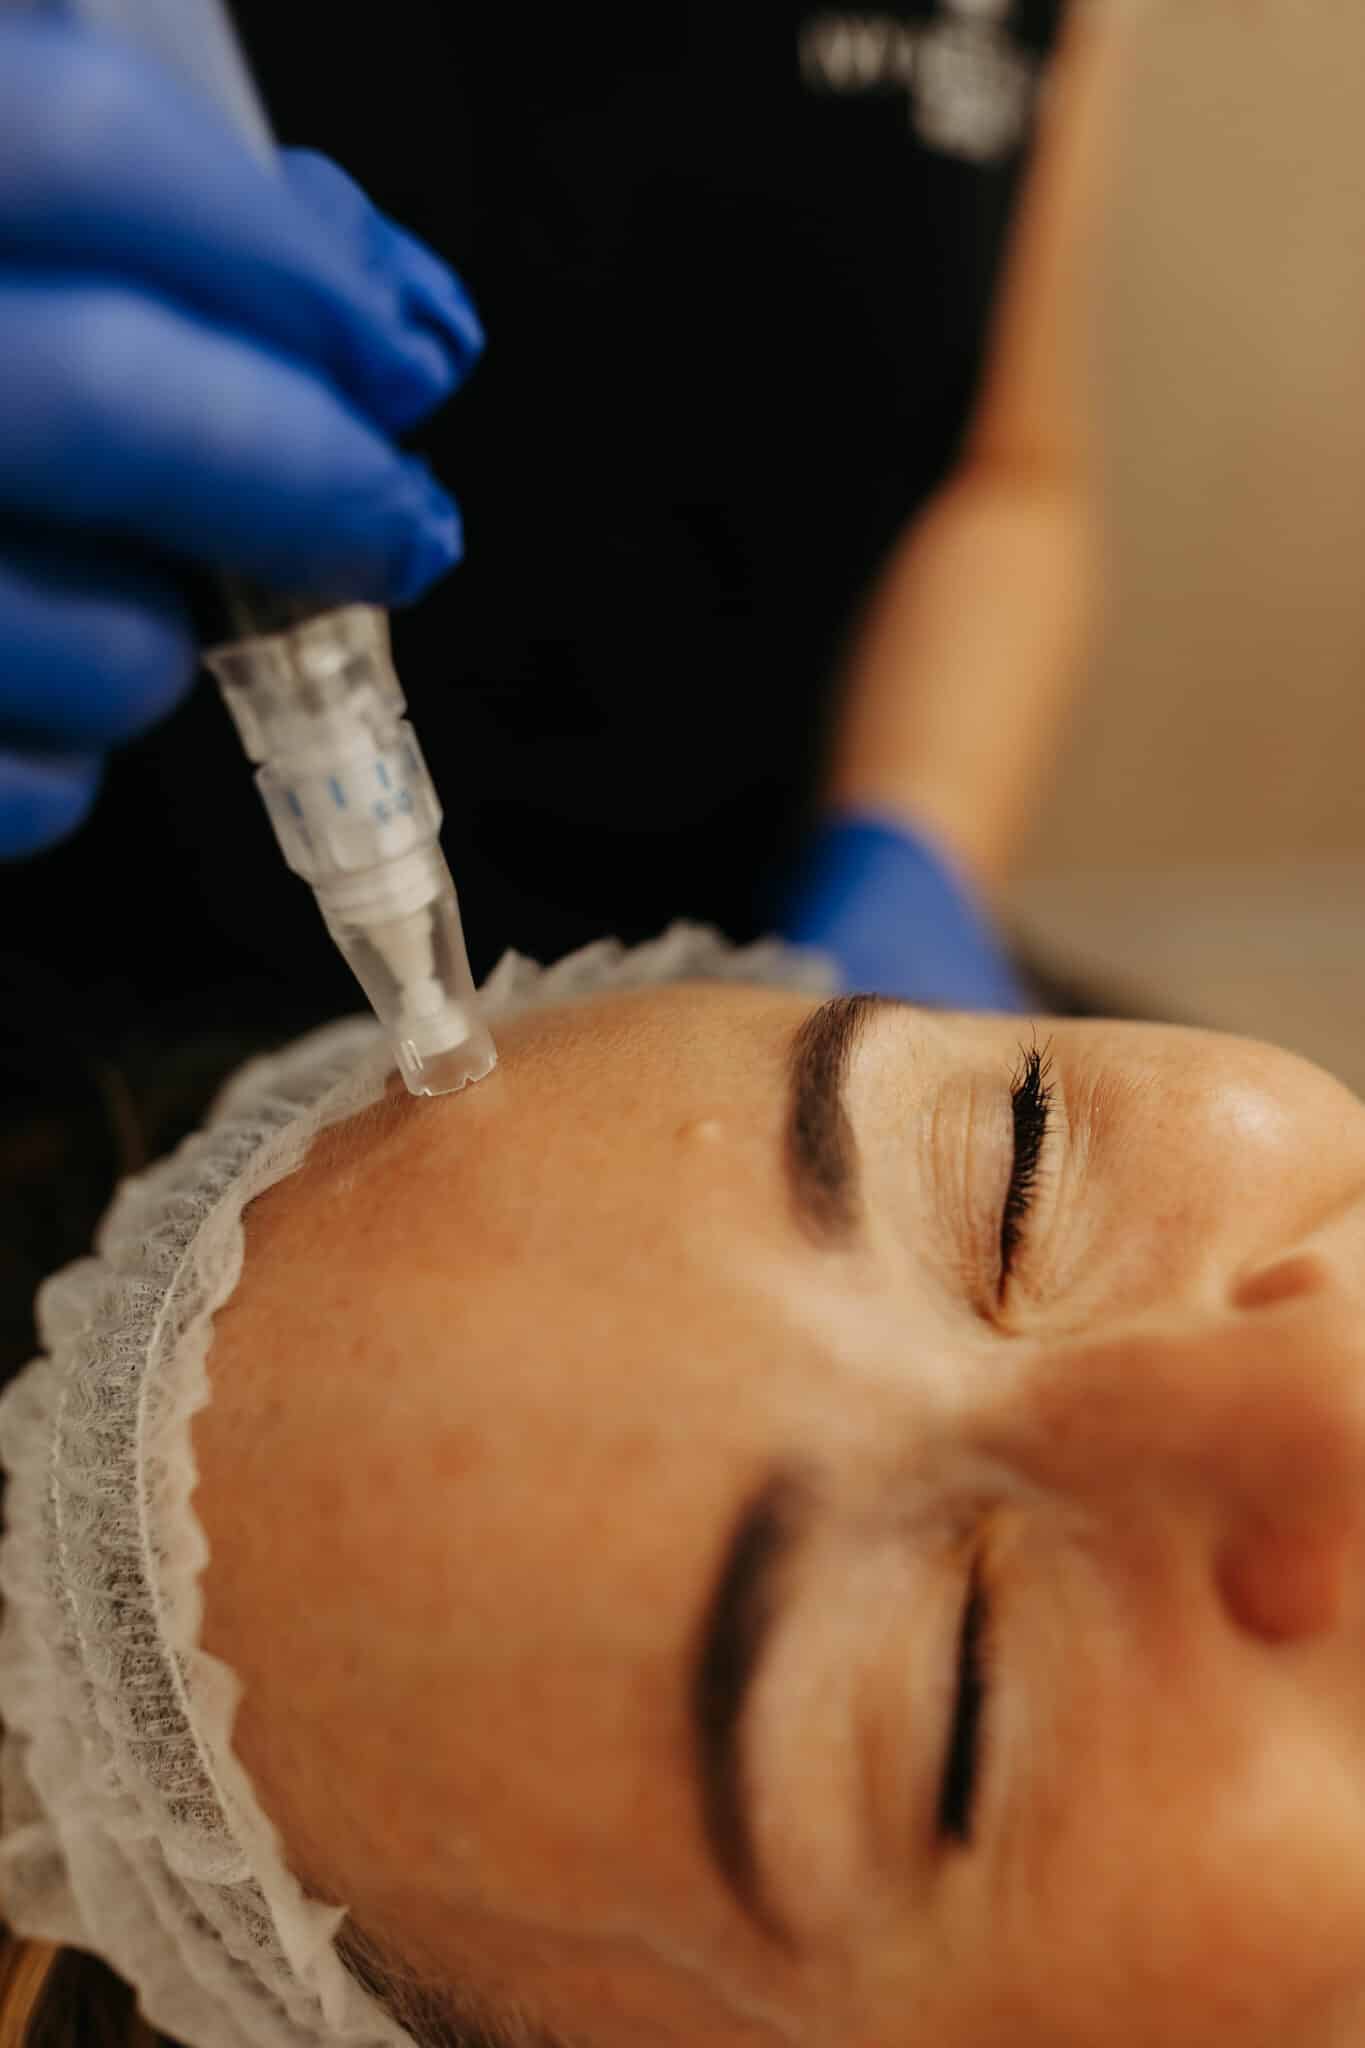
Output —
(200, 361)
(898, 918)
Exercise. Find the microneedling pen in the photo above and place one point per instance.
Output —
(314, 695)
(320, 709)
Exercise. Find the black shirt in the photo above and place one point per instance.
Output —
(735, 262)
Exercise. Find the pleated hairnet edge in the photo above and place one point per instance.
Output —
(165, 1909)
(96, 1864)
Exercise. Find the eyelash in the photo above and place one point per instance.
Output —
(962, 1765)
(1031, 1099)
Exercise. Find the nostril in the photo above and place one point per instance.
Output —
(1283, 1280)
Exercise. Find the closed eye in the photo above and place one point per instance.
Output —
(1031, 1101)
(961, 1766)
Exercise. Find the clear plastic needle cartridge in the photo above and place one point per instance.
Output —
(321, 712)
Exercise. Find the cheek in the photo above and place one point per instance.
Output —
(1217, 1130)
(1261, 1109)
(1206, 1880)
(1243, 1122)
(1239, 1162)
(1228, 1169)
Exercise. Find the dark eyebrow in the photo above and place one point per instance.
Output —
(821, 1150)
(739, 1623)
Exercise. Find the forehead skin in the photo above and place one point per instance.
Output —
(440, 1382)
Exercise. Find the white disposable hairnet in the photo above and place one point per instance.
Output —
(128, 1828)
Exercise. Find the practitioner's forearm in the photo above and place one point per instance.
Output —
(966, 665)
(977, 638)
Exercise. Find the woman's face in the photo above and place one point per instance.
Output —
(758, 1524)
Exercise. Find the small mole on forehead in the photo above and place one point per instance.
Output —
(700, 1130)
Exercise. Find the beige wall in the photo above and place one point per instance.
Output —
(1219, 756)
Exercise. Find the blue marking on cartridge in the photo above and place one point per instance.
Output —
(382, 772)
(338, 793)
(291, 797)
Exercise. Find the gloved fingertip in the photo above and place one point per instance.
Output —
(412, 333)
(416, 381)
(441, 303)
(429, 551)
(44, 799)
(433, 295)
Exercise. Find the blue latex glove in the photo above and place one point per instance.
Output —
(199, 362)
(898, 919)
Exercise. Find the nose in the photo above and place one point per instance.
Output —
(1239, 1426)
